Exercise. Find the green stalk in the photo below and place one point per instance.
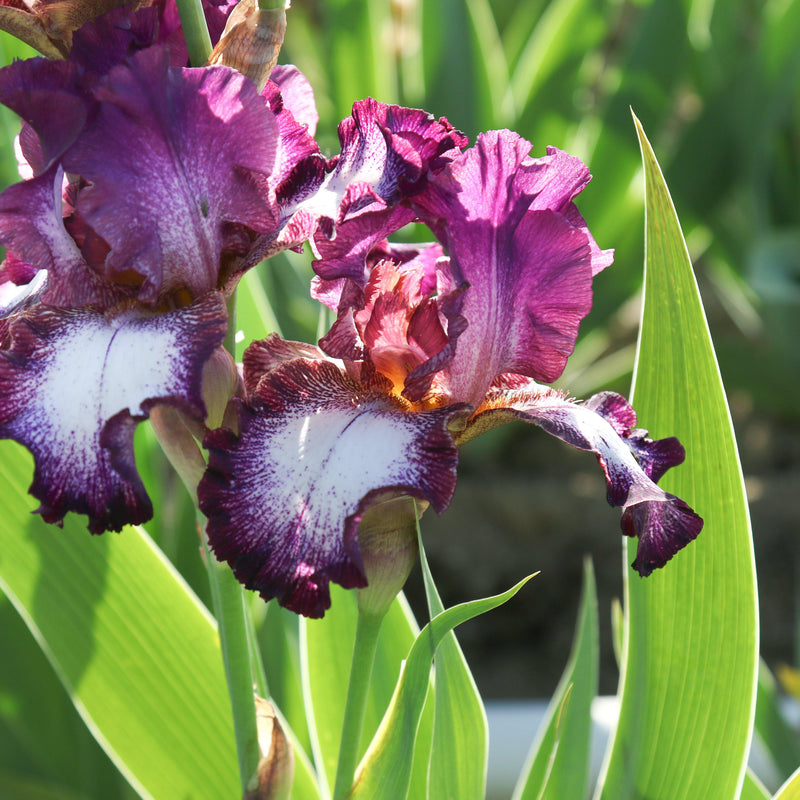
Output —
(243, 668)
(231, 613)
(195, 31)
(367, 631)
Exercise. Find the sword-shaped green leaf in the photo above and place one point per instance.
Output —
(690, 650)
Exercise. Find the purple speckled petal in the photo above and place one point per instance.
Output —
(73, 386)
(662, 522)
(266, 355)
(284, 500)
(510, 227)
(193, 149)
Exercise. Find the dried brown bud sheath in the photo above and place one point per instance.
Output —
(251, 41)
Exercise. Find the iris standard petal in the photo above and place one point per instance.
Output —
(73, 386)
(388, 154)
(315, 450)
(297, 95)
(662, 522)
(193, 151)
(502, 219)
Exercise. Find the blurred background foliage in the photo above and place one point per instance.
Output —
(716, 85)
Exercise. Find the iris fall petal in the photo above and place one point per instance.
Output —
(73, 386)
(285, 498)
(662, 522)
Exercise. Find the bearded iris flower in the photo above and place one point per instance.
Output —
(431, 346)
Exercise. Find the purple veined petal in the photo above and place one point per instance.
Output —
(188, 171)
(14, 297)
(73, 386)
(654, 457)
(99, 45)
(390, 149)
(266, 355)
(388, 154)
(347, 254)
(508, 224)
(284, 500)
(299, 166)
(662, 522)
(32, 229)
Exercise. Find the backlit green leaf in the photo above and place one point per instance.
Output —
(132, 645)
(558, 764)
(460, 729)
(690, 650)
(385, 771)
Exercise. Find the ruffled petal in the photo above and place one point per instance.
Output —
(654, 457)
(662, 522)
(284, 500)
(266, 355)
(193, 151)
(47, 96)
(73, 386)
(510, 227)
(388, 154)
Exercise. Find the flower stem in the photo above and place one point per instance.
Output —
(367, 631)
(229, 608)
(195, 31)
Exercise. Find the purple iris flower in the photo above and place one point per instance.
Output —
(432, 345)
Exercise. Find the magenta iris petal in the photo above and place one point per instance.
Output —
(388, 155)
(194, 148)
(266, 355)
(654, 457)
(662, 522)
(297, 94)
(510, 228)
(46, 95)
(285, 498)
(73, 386)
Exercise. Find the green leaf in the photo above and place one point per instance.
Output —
(689, 674)
(460, 744)
(558, 764)
(135, 649)
(41, 733)
(753, 788)
(326, 647)
(778, 738)
(385, 769)
(790, 790)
